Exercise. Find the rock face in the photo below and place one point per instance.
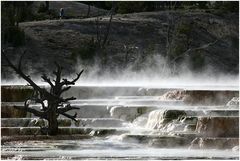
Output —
(174, 95)
(132, 37)
(201, 97)
(128, 113)
(15, 93)
(234, 102)
(11, 112)
(209, 97)
(218, 126)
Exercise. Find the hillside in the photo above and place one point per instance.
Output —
(199, 39)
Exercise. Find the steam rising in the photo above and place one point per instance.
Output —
(155, 72)
(152, 72)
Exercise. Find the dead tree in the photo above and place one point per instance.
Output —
(52, 104)
(102, 35)
(171, 25)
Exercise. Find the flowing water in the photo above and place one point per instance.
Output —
(127, 123)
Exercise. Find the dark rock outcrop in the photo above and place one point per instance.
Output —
(218, 126)
(200, 97)
(15, 93)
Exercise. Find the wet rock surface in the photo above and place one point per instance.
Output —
(15, 93)
(202, 97)
(8, 111)
(209, 97)
(218, 126)
(15, 131)
(174, 95)
(233, 103)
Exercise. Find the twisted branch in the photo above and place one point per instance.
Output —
(46, 79)
(40, 94)
(68, 99)
(73, 117)
(66, 109)
(66, 82)
(194, 49)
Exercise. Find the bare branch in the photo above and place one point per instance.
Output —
(41, 102)
(54, 106)
(20, 60)
(98, 31)
(109, 24)
(194, 49)
(21, 73)
(65, 89)
(73, 117)
(68, 99)
(66, 82)
(67, 108)
(78, 76)
(28, 79)
(46, 79)
(57, 73)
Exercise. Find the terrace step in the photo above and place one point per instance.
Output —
(62, 122)
(12, 131)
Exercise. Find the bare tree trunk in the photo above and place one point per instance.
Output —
(52, 120)
(114, 5)
(56, 105)
(47, 5)
(88, 12)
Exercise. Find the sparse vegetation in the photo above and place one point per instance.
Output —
(86, 50)
(184, 28)
(197, 61)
